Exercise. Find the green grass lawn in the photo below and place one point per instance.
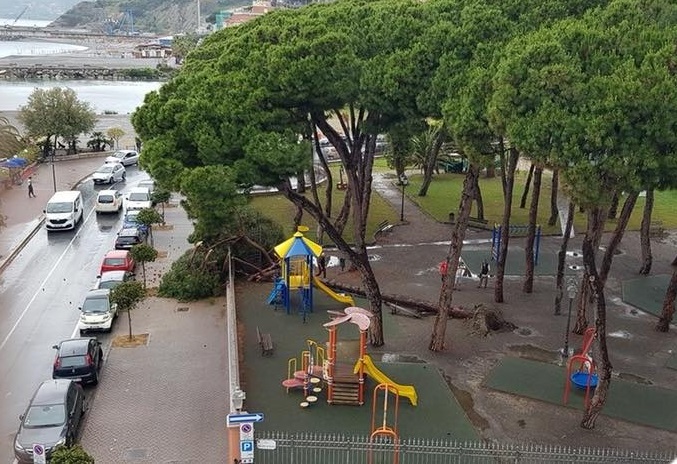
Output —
(444, 196)
(282, 211)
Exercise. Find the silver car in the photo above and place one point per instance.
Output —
(124, 157)
(109, 173)
(51, 419)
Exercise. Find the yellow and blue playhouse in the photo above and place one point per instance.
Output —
(297, 257)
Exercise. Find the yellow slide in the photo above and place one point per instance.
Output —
(408, 391)
(340, 298)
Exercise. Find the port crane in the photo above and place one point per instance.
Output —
(20, 15)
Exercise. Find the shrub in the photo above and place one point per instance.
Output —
(72, 455)
(188, 279)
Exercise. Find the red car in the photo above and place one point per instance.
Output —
(117, 260)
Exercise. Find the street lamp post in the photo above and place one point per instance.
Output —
(572, 290)
(404, 181)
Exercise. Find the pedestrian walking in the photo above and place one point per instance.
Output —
(342, 263)
(31, 192)
(484, 274)
(322, 265)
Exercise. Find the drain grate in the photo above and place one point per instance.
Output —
(182, 309)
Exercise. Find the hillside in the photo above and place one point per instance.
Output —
(41, 10)
(144, 16)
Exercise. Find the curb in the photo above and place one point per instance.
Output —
(20, 246)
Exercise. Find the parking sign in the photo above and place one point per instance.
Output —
(39, 454)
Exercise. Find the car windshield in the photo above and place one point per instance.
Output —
(138, 196)
(95, 305)
(105, 169)
(105, 198)
(114, 262)
(109, 283)
(61, 207)
(45, 416)
(73, 361)
(119, 154)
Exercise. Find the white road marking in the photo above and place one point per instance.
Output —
(44, 282)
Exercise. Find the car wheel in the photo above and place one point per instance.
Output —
(124, 175)
(95, 379)
(82, 333)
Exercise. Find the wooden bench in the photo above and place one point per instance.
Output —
(384, 227)
(265, 341)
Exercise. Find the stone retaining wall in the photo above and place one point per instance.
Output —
(63, 73)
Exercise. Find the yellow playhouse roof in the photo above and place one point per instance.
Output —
(298, 245)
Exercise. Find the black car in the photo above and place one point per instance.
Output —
(78, 359)
(128, 237)
(51, 419)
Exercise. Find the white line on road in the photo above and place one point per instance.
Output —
(44, 282)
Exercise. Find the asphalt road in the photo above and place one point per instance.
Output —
(42, 290)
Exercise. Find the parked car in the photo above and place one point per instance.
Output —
(117, 260)
(128, 237)
(131, 220)
(51, 419)
(139, 198)
(111, 279)
(109, 173)
(108, 201)
(78, 359)
(149, 184)
(124, 157)
(97, 312)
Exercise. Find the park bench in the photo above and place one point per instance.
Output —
(383, 227)
(265, 341)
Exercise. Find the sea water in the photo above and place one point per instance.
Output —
(121, 97)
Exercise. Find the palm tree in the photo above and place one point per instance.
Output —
(11, 141)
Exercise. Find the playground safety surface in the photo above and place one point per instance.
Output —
(438, 414)
(630, 401)
(646, 293)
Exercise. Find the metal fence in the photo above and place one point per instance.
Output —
(319, 448)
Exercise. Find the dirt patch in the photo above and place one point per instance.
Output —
(152, 291)
(534, 353)
(164, 227)
(162, 254)
(464, 398)
(123, 341)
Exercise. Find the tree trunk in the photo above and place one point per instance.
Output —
(617, 236)
(455, 247)
(604, 367)
(301, 182)
(561, 258)
(554, 211)
(595, 216)
(528, 286)
(129, 320)
(613, 208)
(491, 171)
(663, 324)
(143, 269)
(644, 233)
(525, 194)
(431, 162)
(479, 200)
(508, 180)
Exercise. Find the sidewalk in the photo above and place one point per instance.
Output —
(23, 216)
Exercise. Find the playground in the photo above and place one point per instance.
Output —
(478, 384)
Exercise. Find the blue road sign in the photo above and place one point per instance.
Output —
(234, 419)
(247, 446)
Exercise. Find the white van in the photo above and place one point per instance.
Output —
(64, 210)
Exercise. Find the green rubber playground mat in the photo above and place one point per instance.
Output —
(633, 402)
(438, 414)
(646, 293)
(515, 261)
